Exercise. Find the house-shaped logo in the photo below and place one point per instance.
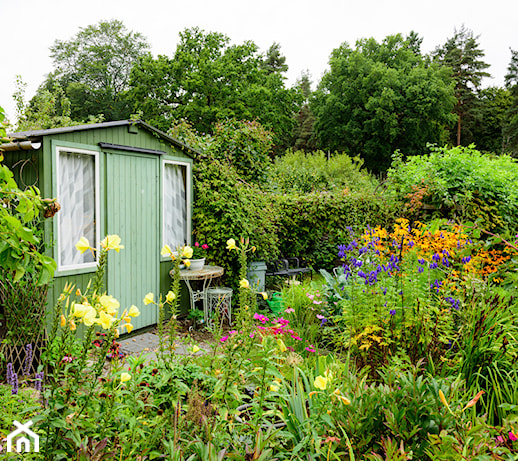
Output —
(21, 440)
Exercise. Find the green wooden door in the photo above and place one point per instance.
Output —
(132, 212)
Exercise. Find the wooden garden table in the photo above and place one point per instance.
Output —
(204, 275)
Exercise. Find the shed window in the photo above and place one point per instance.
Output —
(78, 186)
(176, 198)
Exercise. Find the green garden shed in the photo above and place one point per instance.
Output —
(123, 177)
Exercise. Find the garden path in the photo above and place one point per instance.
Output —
(148, 343)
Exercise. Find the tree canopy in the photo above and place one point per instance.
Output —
(209, 79)
(463, 55)
(93, 69)
(379, 97)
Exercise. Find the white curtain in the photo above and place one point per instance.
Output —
(76, 194)
(175, 205)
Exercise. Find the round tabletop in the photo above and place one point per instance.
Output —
(208, 272)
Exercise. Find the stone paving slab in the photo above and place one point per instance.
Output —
(148, 343)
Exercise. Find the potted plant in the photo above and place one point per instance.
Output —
(199, 253)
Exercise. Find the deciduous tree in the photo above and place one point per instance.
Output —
(379, 97)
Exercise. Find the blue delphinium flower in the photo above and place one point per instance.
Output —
(436, 285)
(392, 312)
(455, 303)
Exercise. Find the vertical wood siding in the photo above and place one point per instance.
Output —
(132, 212)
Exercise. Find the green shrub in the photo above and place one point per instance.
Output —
(306, 172)
(312, 225)
(460, 182)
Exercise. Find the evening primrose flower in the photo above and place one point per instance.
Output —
(129, 327)
(79, 310)
(195, 349)
(133, 310)
(149, 299)
(231, 244)
(264, 295)
(125, 377)
(105, 320)
(89, 316)
(187, 252)
(109, 303)
(112, 242)
(244, 283)
(63, 321)
(166, 251)
(83, 245)
(344, 400)
(170, 297)
(320, 382)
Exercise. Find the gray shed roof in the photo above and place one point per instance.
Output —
(36, 134)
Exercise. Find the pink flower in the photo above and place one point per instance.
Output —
(205, 246)
(289, 310)
(310, 348)
(224, 338)
(263, 319)
(197, 244)
(310, 296)
(317, 302)
(232, 332)
(512, 436)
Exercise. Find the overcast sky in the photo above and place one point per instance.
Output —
(307, 30)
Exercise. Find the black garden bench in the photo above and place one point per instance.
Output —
(286, 267)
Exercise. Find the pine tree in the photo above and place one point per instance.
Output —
(463, 55)
(511, 126)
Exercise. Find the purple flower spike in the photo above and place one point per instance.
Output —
(392, 312)
(28, 360)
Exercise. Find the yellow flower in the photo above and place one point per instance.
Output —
(89, 316)
(187, 262)
(109, 303)
(105, 320)
(320, 383)
(244, 283)
(264, 295)
(83, 245)
(63, 320)
(281, 345)
(149, 299)
(187, 252)
(231, 244)
(79, 310)
(170, 296)
(274, 387)
(112, 242)
(133, 311)
(128, 327)
(343, 399)
(166, 251)
(125, 377)
(73, 325)
(195, 349)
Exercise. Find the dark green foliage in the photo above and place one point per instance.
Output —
(94, 69)
(463, 56)
(511, 128)
(244, 145)
(462, 182)
(313, 225)
(488, 129)
(226, 207)
(379, 97)
(209, 80)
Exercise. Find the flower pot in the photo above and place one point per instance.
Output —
(197, 264)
